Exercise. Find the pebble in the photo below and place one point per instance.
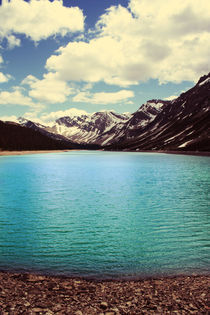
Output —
(115, 309)
(27, 304)
(37, 310)
(102, 298)
(104, 305)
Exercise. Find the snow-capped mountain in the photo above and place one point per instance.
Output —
(180, 124)
(104, 127)
(89, 128)
(145, 114)
(83, 129)
(51, 132)
(46, 130)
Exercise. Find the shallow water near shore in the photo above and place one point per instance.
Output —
(105, 214)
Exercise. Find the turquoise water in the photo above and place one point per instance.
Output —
(105, 214)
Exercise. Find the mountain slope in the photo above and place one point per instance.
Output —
(89, 128)
(182, 124)
(138, 120)
(16, 137)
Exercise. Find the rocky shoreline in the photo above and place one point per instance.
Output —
(39, 294)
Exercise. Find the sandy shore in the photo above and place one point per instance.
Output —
(3, 153)
(34, 294)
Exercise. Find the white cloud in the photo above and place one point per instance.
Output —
(4, 77)
(30, 79)
(32, 115)
(150, 39)
(9, 118)
(38, 19)
(12, 41)
(99, 60)
(16, 97)
(170, 98)
(104, 97)
(50, 89)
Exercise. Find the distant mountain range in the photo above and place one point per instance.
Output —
(181, 124)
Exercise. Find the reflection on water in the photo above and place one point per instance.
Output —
(105, 214)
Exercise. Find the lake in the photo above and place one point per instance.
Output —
(105, 214)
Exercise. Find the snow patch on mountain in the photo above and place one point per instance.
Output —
(205, 81)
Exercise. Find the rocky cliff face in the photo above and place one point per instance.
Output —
(181, 124)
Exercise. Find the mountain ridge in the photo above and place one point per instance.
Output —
(181, 124)
(14, 137)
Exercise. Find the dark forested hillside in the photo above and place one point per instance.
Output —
(16, 137)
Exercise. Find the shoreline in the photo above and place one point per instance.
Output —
(24, 152)
(194, 153)
(41, 294)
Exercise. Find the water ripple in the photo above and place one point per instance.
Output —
(105, 214)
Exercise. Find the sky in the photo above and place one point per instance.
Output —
(74, 56)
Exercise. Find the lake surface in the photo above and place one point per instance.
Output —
(105, 214)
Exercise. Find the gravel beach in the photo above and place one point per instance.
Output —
(38, 294)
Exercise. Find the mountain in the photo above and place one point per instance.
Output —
(181, 124)
(137, 121)
(104, 128)
(82, 129)
(89, 128)
(16, 137)
(53, 133)
(100, 128)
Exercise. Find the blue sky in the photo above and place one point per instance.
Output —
(93, 55)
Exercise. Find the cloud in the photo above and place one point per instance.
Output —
(170, 98)
(104, 97)
(58, 114)
(148, 40)
(13, 41)
(4, 77)
(9, 118)
(16, 97)
(99, 60)
(46, 118)
(50, 89)
(30, 79)
(38, 19)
